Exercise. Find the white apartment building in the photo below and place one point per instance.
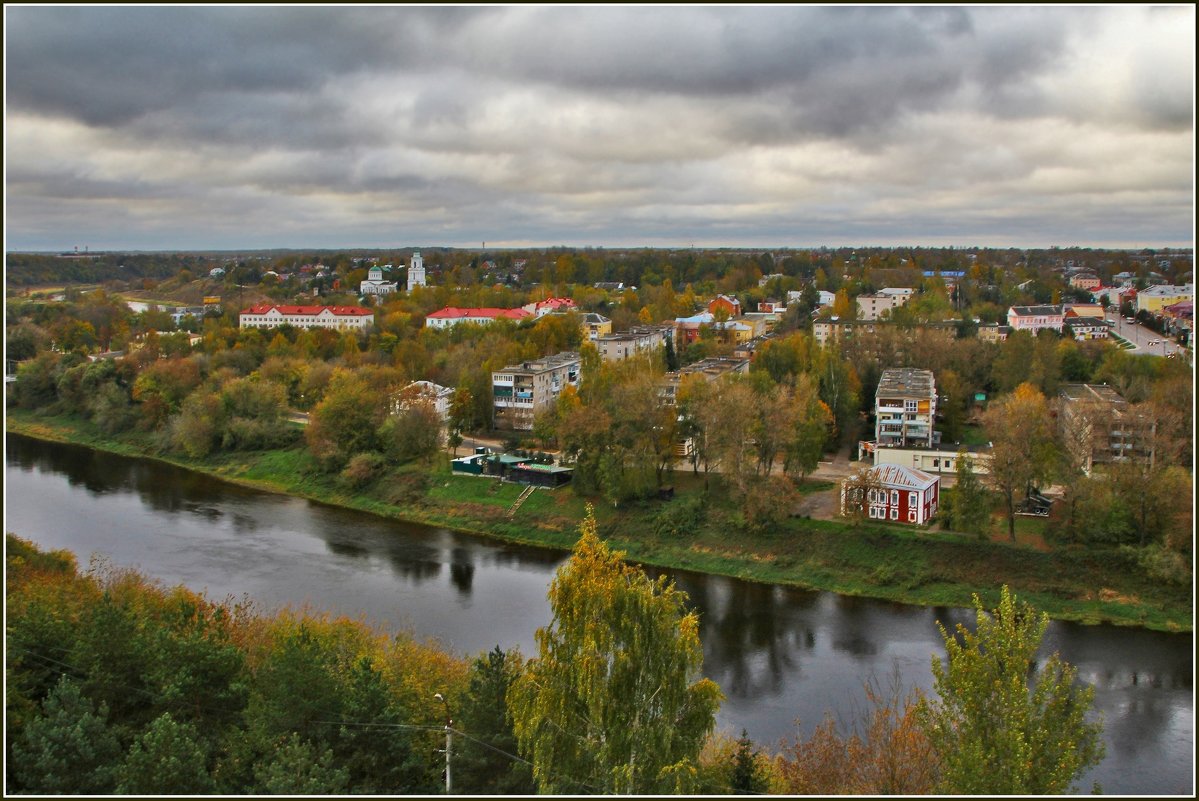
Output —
(338, 317)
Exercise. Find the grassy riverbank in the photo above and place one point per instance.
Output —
(699, 531)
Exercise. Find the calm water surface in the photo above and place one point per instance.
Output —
(779, 654)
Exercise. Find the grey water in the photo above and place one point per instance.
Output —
(783, 657)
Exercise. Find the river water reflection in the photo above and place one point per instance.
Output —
(779, 654)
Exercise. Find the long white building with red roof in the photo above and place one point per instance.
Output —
(451, 316)
(337, 317)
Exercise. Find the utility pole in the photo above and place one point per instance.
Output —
(449, 743)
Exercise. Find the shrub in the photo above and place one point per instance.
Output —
(363, 468)
(679, 517)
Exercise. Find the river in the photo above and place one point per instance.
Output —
(779, 654)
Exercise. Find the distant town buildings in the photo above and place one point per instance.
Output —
(1153, 299)
(451, 316)
(375, 285)
(1035, 318)
(634, 342)
(337, 317)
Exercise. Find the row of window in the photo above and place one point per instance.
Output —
(880, 496)
(880, 513)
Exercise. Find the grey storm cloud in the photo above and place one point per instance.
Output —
(626, 123)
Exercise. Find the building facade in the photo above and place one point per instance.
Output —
(416, 271)
(905, 406)
(375, 285)
(522, 390)
(336, 317)
(451, 316)
(634, 342)
(1099, 427)
(898, 494)
(1152, 299)
(1035, 318)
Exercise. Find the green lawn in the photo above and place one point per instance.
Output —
(899, 563)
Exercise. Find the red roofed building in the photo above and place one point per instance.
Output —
(902, 494)
(550, 306)
(451, 316)
(338, 317)
(731, 305)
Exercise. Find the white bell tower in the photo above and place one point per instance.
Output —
(416, 272)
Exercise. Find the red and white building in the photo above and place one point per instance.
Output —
(336, 317)
(550, 306)
(900, 494)
(451, 316)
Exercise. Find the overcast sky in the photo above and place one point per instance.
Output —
(232, 128)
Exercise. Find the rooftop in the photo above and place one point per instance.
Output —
(542, 365)
(906, 381)
(1095, 393)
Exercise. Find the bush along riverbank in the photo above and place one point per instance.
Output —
(700, 530)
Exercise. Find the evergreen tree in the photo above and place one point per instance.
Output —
(69, 749)
(747, 777)
(480, 763)
(169, 758)
(296, 767)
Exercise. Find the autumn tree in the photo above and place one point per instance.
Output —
(612, 703)
(346, 421)
(967, 505)
(885, 751)
(1001, 724)
(1024, 452)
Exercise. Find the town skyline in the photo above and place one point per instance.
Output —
(264, 128)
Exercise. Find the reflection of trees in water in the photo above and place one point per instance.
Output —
(519, 557)
(1136, 721)
(750, 649)
(462, 569)
(345, 548)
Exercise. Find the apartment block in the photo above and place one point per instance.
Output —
(634, 342)
(1100, 427)
(522, 390)
(904, 407)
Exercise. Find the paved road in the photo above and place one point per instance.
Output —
(1147, 342)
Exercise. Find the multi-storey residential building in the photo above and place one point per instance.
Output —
(1085, 281)
(829, 331)
(871, 307)
(522, 390)
(1100, 427)
(710, 369)
(993, 332)
(338, 317)
(635, 341)
(904, 407)
(1034, 318)
(450, 316)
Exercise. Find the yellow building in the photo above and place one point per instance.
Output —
(1155, 298)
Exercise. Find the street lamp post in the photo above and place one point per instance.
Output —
(449, 742)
